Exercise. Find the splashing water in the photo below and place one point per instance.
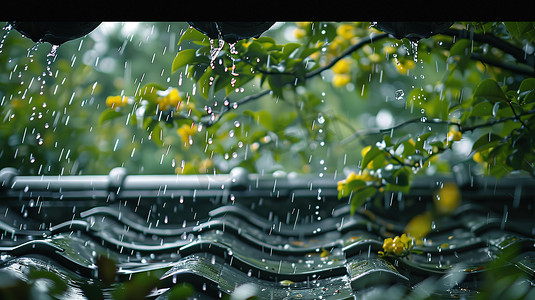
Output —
(50, 57)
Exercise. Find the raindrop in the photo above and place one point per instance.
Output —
(399, 94)
(321, 118)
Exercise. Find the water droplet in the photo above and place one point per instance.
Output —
(321, 118)
(399, 94)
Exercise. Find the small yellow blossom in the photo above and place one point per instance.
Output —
(116, 101)
(205, 165)
(362, 176)
(342, 66)
(340, 80)
(389, 50)
(478, 157)
(346, 31)
(397, 246)
(374, 58)
(302, 24)
(336, 45)
(17, 103)
(186, 132)
(174, 99)
(454, 135)
(404, 66)
(299, 33)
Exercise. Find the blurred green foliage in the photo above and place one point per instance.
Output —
(305, 97)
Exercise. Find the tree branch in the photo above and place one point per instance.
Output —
(519, 54)
(462, 128)
(369, 39)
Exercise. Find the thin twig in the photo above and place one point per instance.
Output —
(463, 129)
(364, 41)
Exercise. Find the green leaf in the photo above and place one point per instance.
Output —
(490, 90)
(156, 134)
(350, 187)
(288, 49)
(107, 115)
(261, 117)
(150, 92)
(60, 285)
(181, 292)
(419, 144)
(188, 56)
(193, 34)
(521, 30)
(482, 109)
(371, 155)
(205, 83)
(460, 47)
(360, 196)
(486, 141)
(527, 84)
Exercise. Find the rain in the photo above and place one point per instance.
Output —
(283, 160)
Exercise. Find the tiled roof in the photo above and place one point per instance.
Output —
(283, 237)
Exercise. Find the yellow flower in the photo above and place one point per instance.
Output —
(399, 245)
(363, 176)
(205, 165)
(346, 31)
(388, 245)
(340, 80)
(302, 24)
(374, 58)
(163, 103)
(17, 103)
(448, 198)
(336, 45)
(174, 99)
(342, 66)
(454, 135)
(478, 157)
(299, 33)
(404, 66)
(186, 132)
(389, 49)
(116, 101)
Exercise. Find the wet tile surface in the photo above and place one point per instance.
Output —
(280, 238)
